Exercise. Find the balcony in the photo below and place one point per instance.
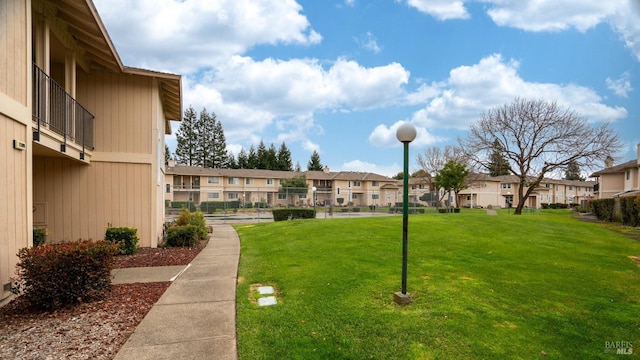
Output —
(59, 116)
(186, 187)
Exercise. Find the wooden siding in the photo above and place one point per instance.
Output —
(123, 106)
(13, 42)
(14, 189)
(81, 201)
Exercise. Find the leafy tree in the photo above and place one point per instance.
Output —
(314, 163)
(573, 171)
(398, 176)
(498, 165)
(432, 161)
(538, 138)
(452, 177)
(283, 158)
(296, 185)
(187, 138)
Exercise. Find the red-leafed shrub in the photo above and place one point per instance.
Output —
(51, 276)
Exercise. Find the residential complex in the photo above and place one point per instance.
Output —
(619, 180)
(82, 135)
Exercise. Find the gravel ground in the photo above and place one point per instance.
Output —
(95, 330)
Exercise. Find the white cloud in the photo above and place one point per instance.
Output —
(362, 166)
(558, 15)
(471, 90)
(201, 32)
(621, 86)
(250, 95)
(369, 43)
(441, 9)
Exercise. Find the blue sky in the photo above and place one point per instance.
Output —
(339, 76)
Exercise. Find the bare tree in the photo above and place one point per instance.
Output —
(538, 137)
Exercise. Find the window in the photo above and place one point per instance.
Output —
(248, 181)
(338, 191)
(168, 187)
(506, 186)
(213, 195)
(213, 180)
(354, 196)
(356, 183)
(282, 196)
(546, 185)
(468, 197)
(570, 187)
(375, 197)
(233, 181)
(302, 196)
(375, 183)
(233, 196)
(269, 181)
(628, 173)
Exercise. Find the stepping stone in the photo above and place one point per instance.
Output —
(266, 290)
(267, 301)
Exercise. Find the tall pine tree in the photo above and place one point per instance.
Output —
(187, 138)
(498, 165)
(573, 171)
(283, 158)
(221, 158)
(314, 163)
(204, 129)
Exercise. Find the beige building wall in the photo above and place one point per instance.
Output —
(122, 185)
(15, 122)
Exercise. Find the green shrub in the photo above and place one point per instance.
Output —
(208, 207)
(183, 235)
(603, 209)
(290, 214)
(190, 205)
(126, 238)
(39, 236)
(52, 276)
(545, 205)
(248, 205)
(630, 210)
(196, 219)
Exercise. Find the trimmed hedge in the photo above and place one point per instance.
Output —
(126, 238)
(211, 206)
(604, 209)
(630, 210)
(190, 205)
(52, 276)
(290, 214)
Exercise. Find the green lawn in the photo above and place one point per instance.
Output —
(483, 287)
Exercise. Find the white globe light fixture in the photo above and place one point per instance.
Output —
(406, 133)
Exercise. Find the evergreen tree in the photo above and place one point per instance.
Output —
(261, 154)
(498, 165)
(187, 138)
(205, 139)
(314, 163)
(252, 158)
(271, 158)
(298, 168)
(221, 158)
(231, 161)
(167, 154)
(243, 159)
(573, 171)
(283, 158)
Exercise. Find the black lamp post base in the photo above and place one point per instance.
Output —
(401, 299)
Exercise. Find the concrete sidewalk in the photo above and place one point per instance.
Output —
(196, 317)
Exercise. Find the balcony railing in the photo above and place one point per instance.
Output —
(56, 110)
(186, 187)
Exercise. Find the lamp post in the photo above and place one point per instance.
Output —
(406, 133)
(314, 189)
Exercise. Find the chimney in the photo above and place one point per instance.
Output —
(171, 163)
(608, 162)
(326, 168)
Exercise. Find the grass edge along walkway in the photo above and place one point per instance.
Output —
(515, 287)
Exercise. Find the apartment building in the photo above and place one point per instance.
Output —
(618, 180)
(82, 134)
(189, 183)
